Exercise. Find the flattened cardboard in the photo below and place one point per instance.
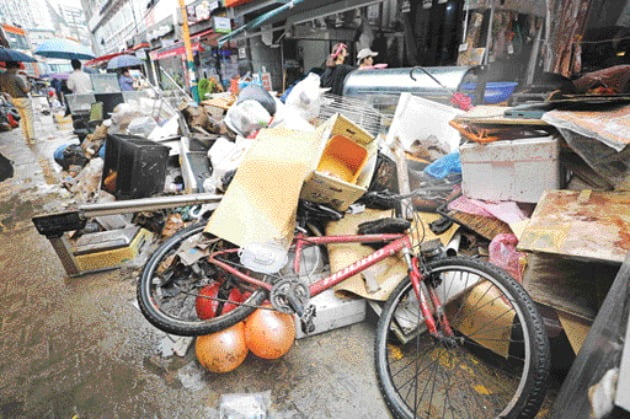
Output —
(390, 271)
(260, 203)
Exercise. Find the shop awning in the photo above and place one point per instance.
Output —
(174, 50)
(140, 45)
(103, 58)
(297, 12)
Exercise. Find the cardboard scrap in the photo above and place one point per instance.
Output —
(260, 203)
(575, 328)
(486, 318)
(390, 271)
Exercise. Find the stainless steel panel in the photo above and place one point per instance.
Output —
(393, 81)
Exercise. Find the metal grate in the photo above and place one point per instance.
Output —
(358, 111)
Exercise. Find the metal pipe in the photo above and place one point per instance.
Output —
(486, 57)
(147, 204)
(533, 58)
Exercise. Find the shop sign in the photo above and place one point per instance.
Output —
(141, 54)
(405, 7)
(222, 24)
(175, 50)
(201, 11)
(242, 53)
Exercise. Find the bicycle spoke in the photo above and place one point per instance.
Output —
(480, 371)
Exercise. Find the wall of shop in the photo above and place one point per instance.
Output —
(264, 56)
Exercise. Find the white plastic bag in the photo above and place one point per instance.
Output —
(305, 97)
(247, 117)
(291, 118)
(142, 126)
(225, 156)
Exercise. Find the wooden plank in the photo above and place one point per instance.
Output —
(573, 287)
(486, 227)
(488, 114)
(569, 223)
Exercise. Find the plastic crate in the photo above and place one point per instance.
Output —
(78, 103)
(134, 167)
(105, 83)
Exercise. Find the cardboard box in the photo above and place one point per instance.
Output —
(334, 192)
(518, 170)
(333, 312)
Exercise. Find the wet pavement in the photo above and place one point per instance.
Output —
(78, 346)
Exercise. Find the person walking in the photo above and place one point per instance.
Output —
(125, 81)
(336, 71)
(18, 88)
(79, 82)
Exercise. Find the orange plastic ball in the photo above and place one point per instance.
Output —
(269, 334)
(222, 351)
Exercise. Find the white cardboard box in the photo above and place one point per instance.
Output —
(517, 170)
(333, 312)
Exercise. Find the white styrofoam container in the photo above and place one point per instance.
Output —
(333, 312)
(517, 170)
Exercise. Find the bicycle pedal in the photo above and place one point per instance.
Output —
(306, 319)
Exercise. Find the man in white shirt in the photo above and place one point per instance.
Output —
(79, 82)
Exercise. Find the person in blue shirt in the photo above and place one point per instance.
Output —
(125, 80)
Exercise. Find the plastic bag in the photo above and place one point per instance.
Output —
(142, 126)
(247, 117)
(444, 166)
(244, 405)
(290, 118)
(225, 156)
(305, 97)
(260, 95)
(89, 180)
(503, 254)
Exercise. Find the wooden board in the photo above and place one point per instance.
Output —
(486, 227)
(488, 114)
(573, 287)
(586, 224)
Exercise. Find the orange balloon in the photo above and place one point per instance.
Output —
(269, 334)
(222, 351)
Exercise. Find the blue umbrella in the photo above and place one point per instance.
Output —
(64, 49)
(7, 54)
(123, 61)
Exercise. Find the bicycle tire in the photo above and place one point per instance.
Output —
(186, 327)
(448, 362)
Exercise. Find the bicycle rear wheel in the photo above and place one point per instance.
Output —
(496, 366)
(170, 288)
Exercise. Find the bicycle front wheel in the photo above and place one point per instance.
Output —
(184, 295)
(497, 363)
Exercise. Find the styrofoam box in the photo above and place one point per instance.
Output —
(332, 312)
(517, 170)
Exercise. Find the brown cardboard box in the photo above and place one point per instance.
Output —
(331, 191)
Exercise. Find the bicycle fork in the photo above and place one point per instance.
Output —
(444, 333)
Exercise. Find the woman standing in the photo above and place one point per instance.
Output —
(336, 71)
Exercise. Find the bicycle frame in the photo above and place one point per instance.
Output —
(397, 242)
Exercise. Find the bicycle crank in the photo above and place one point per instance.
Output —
(289, 296)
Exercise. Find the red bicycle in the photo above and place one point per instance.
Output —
(458, 337)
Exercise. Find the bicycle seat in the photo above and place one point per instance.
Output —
(384, 226)
(317, 212)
